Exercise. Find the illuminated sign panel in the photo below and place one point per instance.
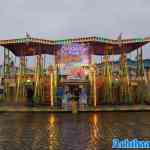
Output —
(71, 57)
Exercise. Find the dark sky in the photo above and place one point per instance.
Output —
(58, 19)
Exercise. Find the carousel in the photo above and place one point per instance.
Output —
(73, 68)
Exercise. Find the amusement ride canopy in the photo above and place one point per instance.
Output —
(97, 45)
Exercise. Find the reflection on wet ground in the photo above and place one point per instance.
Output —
(84, 131)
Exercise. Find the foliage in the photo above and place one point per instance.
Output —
(1, 98)
(36, 99)
(143, 93)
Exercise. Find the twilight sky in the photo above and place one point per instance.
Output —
(58, 19)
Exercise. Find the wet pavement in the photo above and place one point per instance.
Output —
(100, 108)
(84, 131)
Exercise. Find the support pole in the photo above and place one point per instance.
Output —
(6, 73)
(125, 95)
(92, 78)
(140, 66)
(141, 78)
(21, 79)
(51, 89)
(51, 85)
(94, 82)
(107, 74)
(55, 82)
(39, 75)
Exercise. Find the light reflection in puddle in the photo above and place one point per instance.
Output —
(89, 131)
(53, 133)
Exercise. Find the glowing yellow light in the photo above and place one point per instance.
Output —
(28, 80)
(51, 89)
(95, 129)
(51, 120)
(86, 72)
(95, 119)
(94, 88)
(53, 134)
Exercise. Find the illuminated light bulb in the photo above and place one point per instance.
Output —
(28, 80)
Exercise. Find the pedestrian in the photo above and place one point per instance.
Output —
(76, 94)
(83, 98)
(65, 99)
(30, 94)
(60, 93)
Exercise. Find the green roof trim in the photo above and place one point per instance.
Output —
(139, 40)
(102, 39)
(23, 40)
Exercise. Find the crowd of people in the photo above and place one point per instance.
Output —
(66, 96)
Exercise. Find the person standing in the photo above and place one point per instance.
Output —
(60, 93)
(65, 99)
(30, 94)
(83, 98)
(76, 94)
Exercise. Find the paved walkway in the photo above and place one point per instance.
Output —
(87, 109)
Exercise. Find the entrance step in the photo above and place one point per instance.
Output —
(46, 103)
